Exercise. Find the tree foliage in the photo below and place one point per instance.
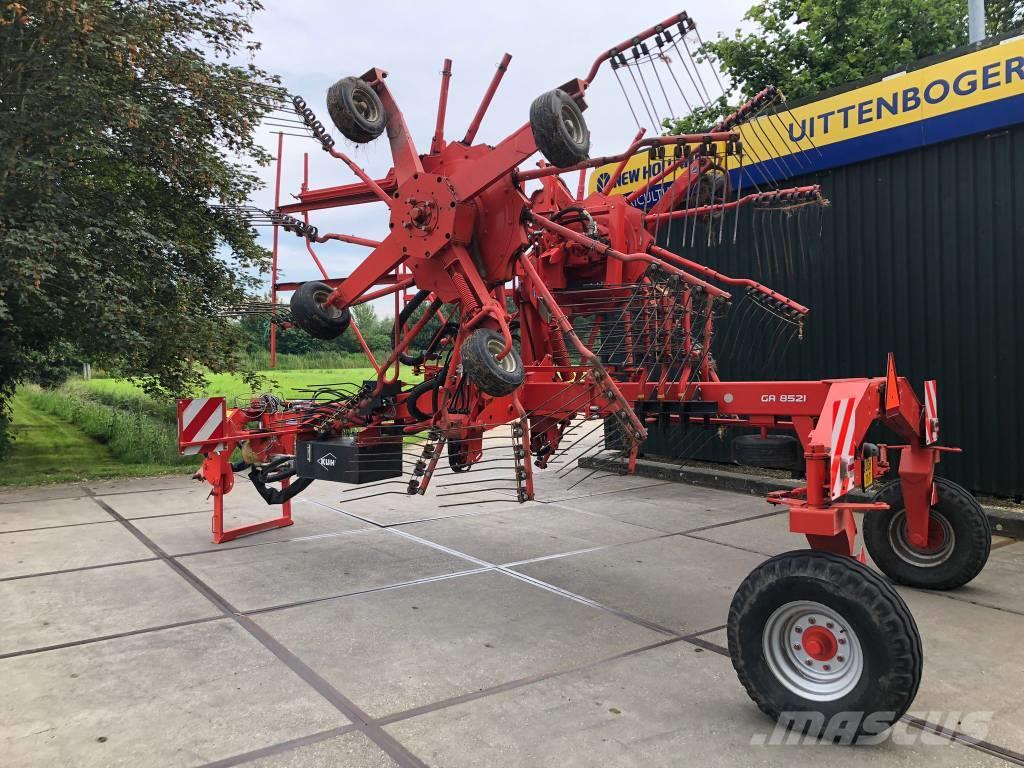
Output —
(124, 122)
(808, 46)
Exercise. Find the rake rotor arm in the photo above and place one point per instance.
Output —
(368, 182)
(795, 196)
(471, 180)
(437, 142)
(679, 18)
(485, 102)
(343, 195)
(716, 275)
(403, 148)
(370, 272)
(352, 239)
(757, 102)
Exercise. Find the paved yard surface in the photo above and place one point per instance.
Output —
(583, 630)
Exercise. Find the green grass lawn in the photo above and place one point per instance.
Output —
(284, 383)
(48, 449)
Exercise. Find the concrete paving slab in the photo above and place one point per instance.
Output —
(672, 508)
(768, 536)
(286, 572)
(56, 549)
(40, 493)
(397, 649)
(179, 480)
(669, 706)
(19, 516)
(520, 534)
(679, 583)
(182, 696)
(194, 498)
(972, 663)
(69, 607)
(351, 750)
(719, 637)
(1001, 584)
(179, 534)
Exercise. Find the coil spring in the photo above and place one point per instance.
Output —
(314, 125)
(291, 224)
(559, 351)
(469, 302)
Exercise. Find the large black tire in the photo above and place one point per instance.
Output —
(356, 110)
(770, 452)
(310, 314)
(559, 130)
(960, 539)
(481, 366)
(814, 634)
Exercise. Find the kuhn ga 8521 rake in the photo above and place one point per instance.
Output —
(547, 307)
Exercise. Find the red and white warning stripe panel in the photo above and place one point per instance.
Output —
(201, 418)
(931, 412)
(844, 420)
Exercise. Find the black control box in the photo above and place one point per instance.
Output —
(341, 460)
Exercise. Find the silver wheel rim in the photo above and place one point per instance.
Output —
(365, 106)
(572, 124)
(320, 299)
(790, 658)
(905, 551)
(508, 363)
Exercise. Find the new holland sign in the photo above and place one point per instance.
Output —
(977, 91)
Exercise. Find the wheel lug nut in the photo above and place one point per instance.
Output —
(842, 641)
(840, 658)
(827, 667)
(829, 624)
(796, 646)
(810, 663)
(812, 620)
(799, 630)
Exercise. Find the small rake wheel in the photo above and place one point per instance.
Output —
(356, 110)
(482, 367)
(559, 129)
(310, 312)
(959, 539)
(812, 633)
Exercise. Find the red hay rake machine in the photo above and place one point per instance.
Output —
(532, 310)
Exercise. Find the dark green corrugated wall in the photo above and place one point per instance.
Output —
(921, 253)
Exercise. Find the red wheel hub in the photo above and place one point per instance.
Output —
(936, 537)
(819, 643)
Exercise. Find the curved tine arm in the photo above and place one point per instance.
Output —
(795, 196)
(716, 275)
(607, 250)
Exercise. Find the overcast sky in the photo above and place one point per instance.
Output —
(312, 43)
